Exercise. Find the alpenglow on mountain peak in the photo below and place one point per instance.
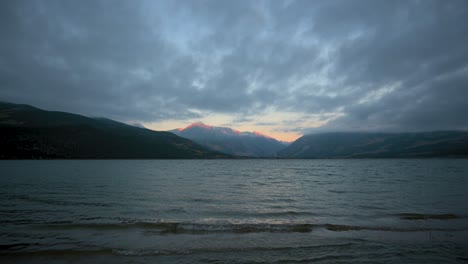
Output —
(228, 140)
(198, 124)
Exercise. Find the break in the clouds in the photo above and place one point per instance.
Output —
(276, 66)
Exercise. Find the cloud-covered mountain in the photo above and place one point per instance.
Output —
(231, 141)
(136, 124)
(27, 132)
(379, 145)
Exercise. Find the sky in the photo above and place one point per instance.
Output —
(283, 68)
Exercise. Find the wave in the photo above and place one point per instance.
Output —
(340, 228)
(413, 216)
(264, 214)
(49, 201)
(187, 227)
(145, 252)
(285, 213)
(161, 252)
(60, 252)
(16, 246)
(206, 228)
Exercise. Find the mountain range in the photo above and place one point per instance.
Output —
(379, 145)
(231, 141)
(27, 132)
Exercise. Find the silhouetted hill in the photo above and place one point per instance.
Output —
(228, 140)
(27, 132)
(379, 145)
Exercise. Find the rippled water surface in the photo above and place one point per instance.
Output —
(234, 211)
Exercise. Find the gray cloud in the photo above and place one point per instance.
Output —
(384, 65)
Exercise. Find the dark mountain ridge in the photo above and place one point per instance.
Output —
(379, 145)
(27, 132)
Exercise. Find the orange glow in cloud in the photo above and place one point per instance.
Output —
(274, 129)
(282, 136)
(286, 137)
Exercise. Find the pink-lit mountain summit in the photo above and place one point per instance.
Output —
(231, 141)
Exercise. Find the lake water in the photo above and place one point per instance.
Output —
(234, 211)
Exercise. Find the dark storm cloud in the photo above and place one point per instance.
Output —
(382, 65)
(98, 58)
(418, 59)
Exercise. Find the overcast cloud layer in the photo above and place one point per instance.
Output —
(333, 65)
